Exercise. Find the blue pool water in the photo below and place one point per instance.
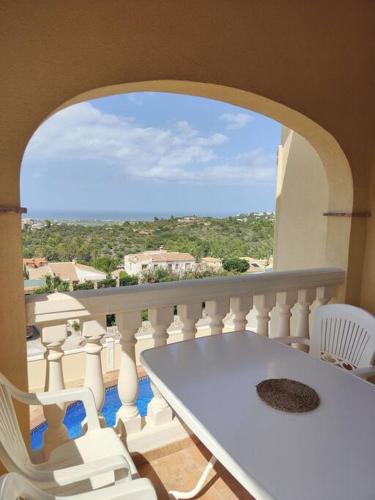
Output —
(75, 412)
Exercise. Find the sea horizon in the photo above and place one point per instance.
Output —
(113, 215)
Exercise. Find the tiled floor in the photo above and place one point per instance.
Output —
(180, 470)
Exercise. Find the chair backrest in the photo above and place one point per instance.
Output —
(13, 451)
(13, 486)
(343, 335)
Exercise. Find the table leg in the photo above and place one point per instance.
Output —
(198, 487)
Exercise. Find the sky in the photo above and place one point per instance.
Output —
(152, 152)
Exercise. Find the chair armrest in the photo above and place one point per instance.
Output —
(293, 340)
(83, 394)
(50, 478)
(129, 490)
(365, 372)
(87, 470)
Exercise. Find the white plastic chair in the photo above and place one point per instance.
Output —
(91, 461)
(343, 335)
(13, 486)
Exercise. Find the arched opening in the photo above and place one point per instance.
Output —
(291, 59)
(333, 233)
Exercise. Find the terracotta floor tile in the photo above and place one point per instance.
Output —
(181, 470)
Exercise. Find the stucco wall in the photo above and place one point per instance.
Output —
(301, 200)
(306, 64)
(368, 273)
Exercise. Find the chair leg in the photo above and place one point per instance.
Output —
(183, 495)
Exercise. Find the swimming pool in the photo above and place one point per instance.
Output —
(75, 412)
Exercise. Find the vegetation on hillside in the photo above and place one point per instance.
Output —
(235, 264)
(105, 245)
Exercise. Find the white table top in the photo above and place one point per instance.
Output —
(326, 454)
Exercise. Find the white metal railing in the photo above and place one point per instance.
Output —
(276, 292)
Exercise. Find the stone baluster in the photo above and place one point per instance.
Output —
(240, 307)
(324, 294)
(285, 301)
(216, 311)
(53, 338)
(128, 419)
(111, 353)
(189, 314)
(161, 319)
(305, 298)
(158, 411)
(94, 329)
(264, 305)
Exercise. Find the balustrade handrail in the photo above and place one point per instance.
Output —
(50, 309)
(278, 299)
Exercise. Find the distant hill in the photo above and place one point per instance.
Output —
(237, 236)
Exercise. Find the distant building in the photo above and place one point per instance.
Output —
(35, 262)
(188, 218)
(259, 265)
(177, 262)
(26, 222)
(37, 226)
(269, 266)
(210, 263)
(256, 265)
(67, 271)
(116, 273)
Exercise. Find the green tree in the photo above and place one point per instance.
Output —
(158, 276)
(25, 273)
(235, 264)
(126, 279)
(86, 285)
(105, 263)
(75, 326)
(53, 284)
(108, 282)
(104, 245)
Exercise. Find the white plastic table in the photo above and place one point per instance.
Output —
(326, 454)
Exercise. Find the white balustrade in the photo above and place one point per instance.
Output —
(324, 294)
(160, 319)
(60, 307)
(189, 314)
(285, 301)
(216, 311)
(264, 304)
(237, 294)
(240, 307)
(305, 298)
(128, 419)
(111, 355)
(94, 329)
(53, 338)
(158, 411)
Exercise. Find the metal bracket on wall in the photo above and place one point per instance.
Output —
(13, 210)
(347, 214)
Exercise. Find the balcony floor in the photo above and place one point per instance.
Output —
(179, 466)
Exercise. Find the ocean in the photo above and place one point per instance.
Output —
(109, 216)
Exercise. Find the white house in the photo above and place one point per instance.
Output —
(177, 262)
(210, 263)
(67, 271)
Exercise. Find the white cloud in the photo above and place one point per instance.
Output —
(179, 153)
(254, 167)
(234, 121)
